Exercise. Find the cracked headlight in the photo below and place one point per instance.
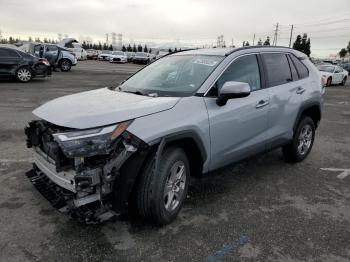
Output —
(90, 142)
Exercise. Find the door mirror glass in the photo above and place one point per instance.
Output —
(232, 89)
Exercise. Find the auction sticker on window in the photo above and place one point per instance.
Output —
(206, 62)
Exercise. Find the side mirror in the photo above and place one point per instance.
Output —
(232, 89)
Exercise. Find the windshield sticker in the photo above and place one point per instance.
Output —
(206, 62)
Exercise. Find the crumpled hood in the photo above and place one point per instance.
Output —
(101, 107)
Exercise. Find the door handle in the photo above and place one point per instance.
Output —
(262, 103)
(300, 90)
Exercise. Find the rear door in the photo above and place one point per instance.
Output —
(9, 61)
(238, 129)
(285, 89)
(51, 54)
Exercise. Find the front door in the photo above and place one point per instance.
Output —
(51, 54)
(238, 129)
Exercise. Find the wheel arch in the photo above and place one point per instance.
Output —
(312, 110)
(131, 171)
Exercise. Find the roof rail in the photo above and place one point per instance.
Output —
(255, 46)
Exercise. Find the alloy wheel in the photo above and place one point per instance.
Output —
(305, 140)
(175, 186)
(24, 74)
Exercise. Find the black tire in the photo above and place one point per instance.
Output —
(151, 189)
(329, 81)
(292, 152)
(24, 74)
(343, 82)
(65, 65)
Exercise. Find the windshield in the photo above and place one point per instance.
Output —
(141, 54)
(179, 75)
(118, 53)
(326, 68)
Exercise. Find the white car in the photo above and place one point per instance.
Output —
(333, 74)
(118, 57)
(104, 55)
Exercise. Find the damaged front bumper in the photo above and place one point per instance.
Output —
(79, 185)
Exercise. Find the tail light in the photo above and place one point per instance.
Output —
(44, 61)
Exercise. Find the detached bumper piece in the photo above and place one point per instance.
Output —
(92, 212)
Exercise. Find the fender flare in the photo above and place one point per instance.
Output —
(303, 108)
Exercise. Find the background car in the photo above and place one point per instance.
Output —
(104, 55)
(91, 54)
(141, 58)
(118, 57)
(130, 56)
(333, 74)
(80, 53)
(345, 66)
(23, 66)
(58, 56)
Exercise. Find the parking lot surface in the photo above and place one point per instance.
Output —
(260, 210)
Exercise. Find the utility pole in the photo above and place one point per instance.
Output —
(291, 34)
(275, 35)
(253, 39)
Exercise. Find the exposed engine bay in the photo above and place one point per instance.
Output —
(77, 170)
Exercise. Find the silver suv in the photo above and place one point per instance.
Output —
(100, 153)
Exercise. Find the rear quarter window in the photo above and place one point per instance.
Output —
(303, 72)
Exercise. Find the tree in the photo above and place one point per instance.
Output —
(267, 41)
(260, 42)
(134, 48)
(348, 47)
(99, 47)
(150, 50)
(30, 39)
(110, 48)
(297, 43)
(342, 52)
(175, 50)
(305, 45)
(139, 48)
(145, 49)
(123, 48)
(129, 48)
(247, 43)
(170, 51)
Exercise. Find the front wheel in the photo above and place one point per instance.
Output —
(303, 139)
(65, 65)
(160, 195)
(24, 75)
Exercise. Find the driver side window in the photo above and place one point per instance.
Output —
(244, 69)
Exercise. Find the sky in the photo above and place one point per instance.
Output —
(182, 22)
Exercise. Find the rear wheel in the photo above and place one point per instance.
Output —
(298, 149)
(24, 74)
(160, 195)
(343, 82)
(65, 65)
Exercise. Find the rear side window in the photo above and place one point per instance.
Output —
(303, 72)
(277, 67)
(8, 53)
(51, 48)
(293, 70)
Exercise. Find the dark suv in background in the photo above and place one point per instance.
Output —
(23, 66)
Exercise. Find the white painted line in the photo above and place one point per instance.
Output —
(344, 172)
(28, 160)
